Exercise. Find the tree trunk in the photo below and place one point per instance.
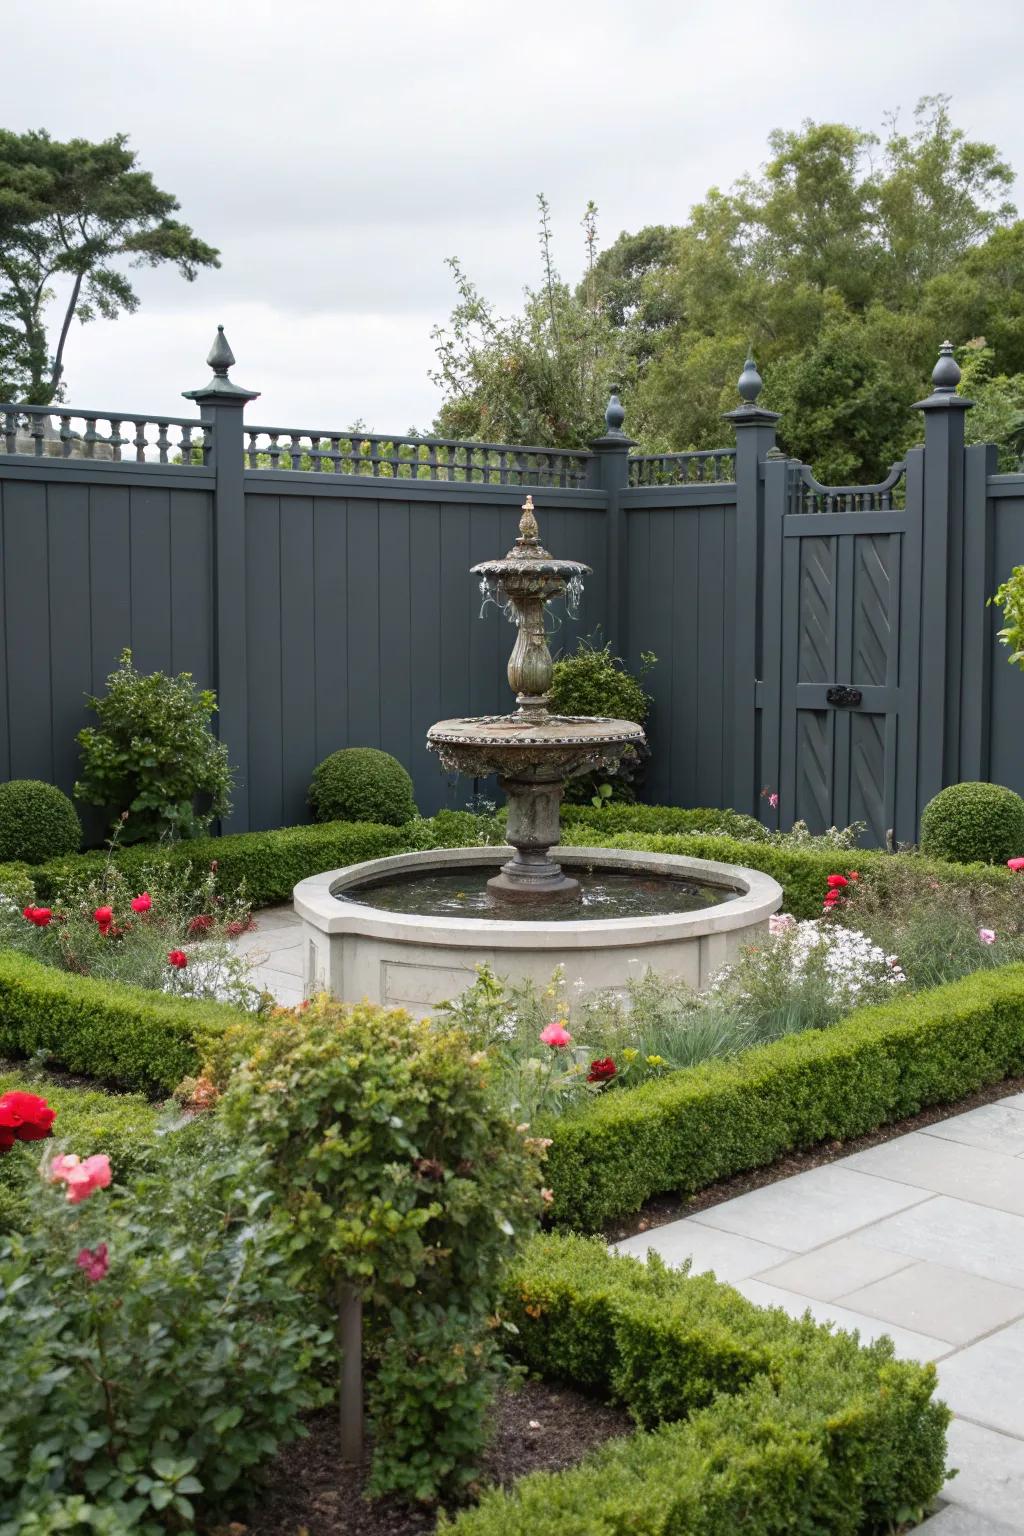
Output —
(350, 1392)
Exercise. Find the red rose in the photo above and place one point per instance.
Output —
(177, 958)
(24, 1117)
(38, 915)
(602, 1071)
(199, 925)
(836, 882)
(104, 917)
(142, 903)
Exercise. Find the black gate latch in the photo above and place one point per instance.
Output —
(843, 696)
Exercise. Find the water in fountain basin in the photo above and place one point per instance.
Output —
(604, 893)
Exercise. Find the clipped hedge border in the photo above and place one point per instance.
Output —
(693, 1127)
(133, 1037)
(767, 1424)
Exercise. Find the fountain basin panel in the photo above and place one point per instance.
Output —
(410, 959)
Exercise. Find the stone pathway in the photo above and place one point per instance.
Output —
(921, 1238)
(274, 948)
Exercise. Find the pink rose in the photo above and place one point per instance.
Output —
(142, 903)
(95, 1262)
(81, 1178)
(555, 1034)
(773, 801)
(1015, 864)
(987, 935)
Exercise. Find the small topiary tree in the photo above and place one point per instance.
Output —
(154, 761)
(400, 1189)
(974, 822)
(362, 784)
(37, 822)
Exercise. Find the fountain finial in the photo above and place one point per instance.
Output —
(529, 532)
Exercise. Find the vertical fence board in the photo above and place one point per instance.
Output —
(27, 601)
(151, 578)
(298, 656)
(395, 577)
(263, 610)
(329, 588)
(70, 627)
(363, 575)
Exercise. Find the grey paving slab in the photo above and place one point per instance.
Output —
(975, 1238)
(993, 1127)
(990, 1478)
(956, 1520)
(909, 1344)
(730, 1257)
(811, 1208)
(985, 1382)
(827, 1272)
(936, 1299)
(946, 1167)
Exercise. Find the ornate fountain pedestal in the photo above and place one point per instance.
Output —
(532, 751)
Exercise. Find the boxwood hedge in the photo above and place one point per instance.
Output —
(696, 1126)
(765, 1423)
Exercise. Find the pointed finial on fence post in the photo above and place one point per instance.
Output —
(750, 383)
(220, 358)
(614, 415)
(945, 378)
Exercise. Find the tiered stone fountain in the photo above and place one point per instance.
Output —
(411, 930)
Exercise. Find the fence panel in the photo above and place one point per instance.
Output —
(364, 624)
(1006, 709)
(680, 556)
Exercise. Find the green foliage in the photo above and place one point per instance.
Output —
(395, 1173)
(594, 682)
(362, 784)
(786, 1425)
(76, 212)
(125, 1126)
(166, 1379)
(843, 262)
(37, 822)
(997, 415)
(974, 821)
(129, 1036)
(1010, 598)
(694, 1127)
(154, 762)
(661, 819)
(144, 921)
(540, 377)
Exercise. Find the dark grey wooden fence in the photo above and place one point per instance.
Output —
(319, 581)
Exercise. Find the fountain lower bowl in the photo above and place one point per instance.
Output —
(415, 961)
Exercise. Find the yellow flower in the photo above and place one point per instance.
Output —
(655, 1061)
(629, 1054)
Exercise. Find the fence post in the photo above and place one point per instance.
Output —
(942, 579)
(608, 471)
(223, 403)
(755, 436)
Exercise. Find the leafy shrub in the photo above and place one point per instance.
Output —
(362, 784)
(37, 821)
(593, 681)
(123, 1126)
(787, 1426)
(170, 931)
(1010, 598)
(974, 822)
(159, 1350)
(398, 1179)
(691, 1128)
(153, 762)
(129, 1036)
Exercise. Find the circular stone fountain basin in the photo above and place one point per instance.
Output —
(704, 913)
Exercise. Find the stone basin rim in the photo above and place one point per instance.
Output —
(317, 901)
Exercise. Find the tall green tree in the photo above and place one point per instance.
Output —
(843, 262)
(78, 212)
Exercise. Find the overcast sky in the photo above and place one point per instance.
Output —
(337, 153)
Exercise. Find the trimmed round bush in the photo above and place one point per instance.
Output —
(37, 822)
(974, 822)
(362, 784)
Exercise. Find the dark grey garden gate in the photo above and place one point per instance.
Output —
(839, 690)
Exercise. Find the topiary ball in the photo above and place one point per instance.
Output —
(362, 784)
(37, 822)
(974, 822)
